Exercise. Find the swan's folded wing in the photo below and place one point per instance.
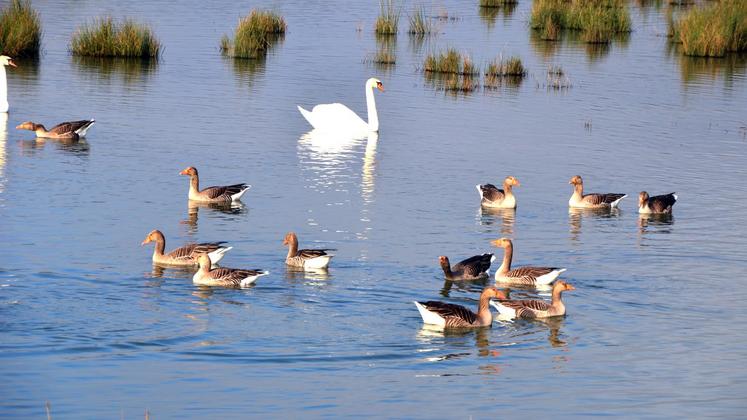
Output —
(331, 115)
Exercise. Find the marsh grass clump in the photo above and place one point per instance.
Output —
(450, 62)
(388, 20)
(504, 68)
(254, 35)
(20, 30)
(557, 79)
(107, 38)
(598, 20)
(713, 30)
(420, 23)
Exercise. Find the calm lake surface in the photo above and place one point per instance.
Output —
(655, 328)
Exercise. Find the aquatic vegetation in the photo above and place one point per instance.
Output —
(557, 79)
(20, 29)
(107, 38)
(420, 24)
(506, 67)
(254, 35)
(384, 57)
(450, 61)
(598, 20)
(712, 30)
(388, 20)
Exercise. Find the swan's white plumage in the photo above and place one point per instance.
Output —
(339, 118)
(430, 317)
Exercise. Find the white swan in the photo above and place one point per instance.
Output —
(339, 118)
(4, 61)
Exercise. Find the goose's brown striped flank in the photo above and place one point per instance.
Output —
(448, 315)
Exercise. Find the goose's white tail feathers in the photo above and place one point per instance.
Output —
(81, 132)
(249, 280)
(479, 190)
(616, 202)
(549, 277)
(238, 195)
(218, 254)
(428, 316)
(675, 197)
(504, 311)
(320, 262)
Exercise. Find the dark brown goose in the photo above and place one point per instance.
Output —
(492, 196)
(67, 130)
(658, 204)
(448, 315)
(224, 277)
(217, 194)
(306, 258)
(527, 276)
(184, 256)
(592, 200)
(532, 309)
(472, 268)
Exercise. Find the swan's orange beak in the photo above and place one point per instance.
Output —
(380, 87)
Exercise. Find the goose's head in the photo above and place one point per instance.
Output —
(290, 238)
(562, 286)
(204, 260)
(576, 180)
(191, 171)
(494, 292)
(502, 243)
(511, 180)
(374, 83)
(7, 61)
(153, 236)
(642, 198)
(28, 125)
(443, 260)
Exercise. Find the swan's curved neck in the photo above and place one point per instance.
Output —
(373, 117)
(4, 90)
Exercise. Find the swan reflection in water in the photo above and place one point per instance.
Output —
(489, 216)
(3, 151)
(576, 216)
(332, 159)
(193, 211)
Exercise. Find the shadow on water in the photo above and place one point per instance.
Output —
(489, 15)
(505, 218)
(131, 70)
(193, 212)
(78, 147)
(576, 217)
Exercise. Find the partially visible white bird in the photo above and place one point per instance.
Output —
(339, 118)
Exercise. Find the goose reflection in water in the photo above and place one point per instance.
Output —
(470, 286)
(576, 216)
(655, 223)
(507, 217)
(314, 277)
(451, 338)
(193, 211)
(75, 147)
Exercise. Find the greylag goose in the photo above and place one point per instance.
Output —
(4, 61)
(185, 256)
(305, 258)
(66, 130)
(218, 194)
(592, 201)
(658, 204)
(527, 276)
(492, 196)
(448, 315)
(475, 267)
(224, 277)
(532, 309)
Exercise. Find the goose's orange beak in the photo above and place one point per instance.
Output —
(183, 172)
